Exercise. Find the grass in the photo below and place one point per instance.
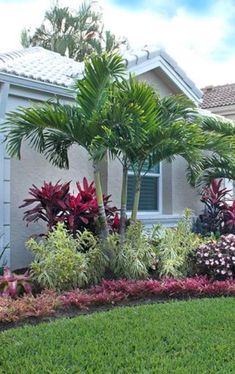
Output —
(178, 337)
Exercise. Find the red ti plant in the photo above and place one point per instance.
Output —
(78, 212)
(14, 285)
(50, 203)
(81, 210)
(215, 198)
(229, 218)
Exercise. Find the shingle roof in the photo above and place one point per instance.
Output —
(216, 96)
(39, 64)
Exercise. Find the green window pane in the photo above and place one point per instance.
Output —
(148, 193)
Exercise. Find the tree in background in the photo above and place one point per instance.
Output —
(75, 34)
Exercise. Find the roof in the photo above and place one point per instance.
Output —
(39, 64)
(217, 96)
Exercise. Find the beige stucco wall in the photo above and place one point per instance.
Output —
(33, 168)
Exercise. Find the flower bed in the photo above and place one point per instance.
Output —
(110, 292)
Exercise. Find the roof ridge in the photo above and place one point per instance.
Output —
(211, 87)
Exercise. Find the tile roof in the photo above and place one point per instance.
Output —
(216, 96)
(39, 64)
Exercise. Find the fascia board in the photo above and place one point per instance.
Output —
(36, 85)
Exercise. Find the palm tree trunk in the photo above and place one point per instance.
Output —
(99, 195)
(123, 203)
(136, 198)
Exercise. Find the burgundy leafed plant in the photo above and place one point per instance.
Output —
(49, 200)
(217, 209)
(54, 203)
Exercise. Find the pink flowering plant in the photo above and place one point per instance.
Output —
(216, 259)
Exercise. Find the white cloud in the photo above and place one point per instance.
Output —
(191, 40)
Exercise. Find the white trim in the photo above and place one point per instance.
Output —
(164, 219)
(4, 178)
(36, 85)
(183, 84)
(151, 218)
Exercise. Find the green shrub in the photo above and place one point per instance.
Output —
(57, 263)
(135, 257)
(97, 262)
(62, 262)
(175, 248)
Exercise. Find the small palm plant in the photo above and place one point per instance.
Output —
(51, 128)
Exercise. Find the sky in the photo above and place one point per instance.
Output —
(198, 34)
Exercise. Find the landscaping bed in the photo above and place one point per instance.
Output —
(176, 337)
(50, 305)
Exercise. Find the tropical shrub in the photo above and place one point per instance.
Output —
(135, 257)
(63, 262)
(14, 285)
(58, 264)
(216, 259)
(78, 212)
(176, 247)
(50, 202)
(97, 262)
(219, 214)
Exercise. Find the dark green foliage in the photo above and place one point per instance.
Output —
(181, 338)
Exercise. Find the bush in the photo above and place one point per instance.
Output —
(219, 214)
(58, 264)
(78, 212)
(12, 310)
(216, 259)
(133, 258)
(63, 262)
(176, 247)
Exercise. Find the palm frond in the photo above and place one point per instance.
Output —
(93, 90)
(32, 124)
(210, 167)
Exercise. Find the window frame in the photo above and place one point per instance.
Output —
(145, 214)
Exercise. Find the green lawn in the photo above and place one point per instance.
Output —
(179, 337)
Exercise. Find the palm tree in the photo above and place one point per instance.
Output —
(150, 129)
(76, 35)
(219, 162)
(52, 128)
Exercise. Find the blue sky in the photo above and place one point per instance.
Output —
(198, 34)
(171, 6)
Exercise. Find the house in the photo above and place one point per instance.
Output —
(36, 74)
(220, 100)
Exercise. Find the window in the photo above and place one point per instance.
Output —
(150, 190)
